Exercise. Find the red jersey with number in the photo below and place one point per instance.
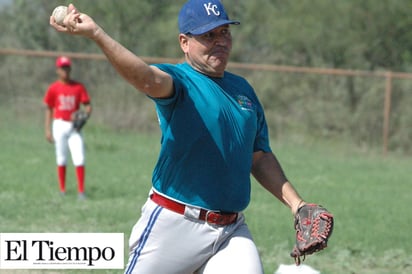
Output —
(65, 98)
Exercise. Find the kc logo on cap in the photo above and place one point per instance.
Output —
(200, 16)
(209, 7)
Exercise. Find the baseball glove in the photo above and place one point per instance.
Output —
(314, 226)
(79, 119)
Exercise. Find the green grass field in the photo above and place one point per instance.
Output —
(368, 194)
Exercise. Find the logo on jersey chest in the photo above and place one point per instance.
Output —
(244, 102)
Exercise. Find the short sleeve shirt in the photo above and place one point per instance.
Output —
(65, 98)
(210, 129)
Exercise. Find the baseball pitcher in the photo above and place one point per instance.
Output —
(214, 137)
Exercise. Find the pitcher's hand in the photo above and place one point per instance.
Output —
(76, 23)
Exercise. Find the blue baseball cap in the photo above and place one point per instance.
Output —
(200, 16)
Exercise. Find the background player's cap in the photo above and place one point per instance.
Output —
(200, 16)
(63, 61)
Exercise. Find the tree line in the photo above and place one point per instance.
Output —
(366, 35)
(350, 34)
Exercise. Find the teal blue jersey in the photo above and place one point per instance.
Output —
(210, 129)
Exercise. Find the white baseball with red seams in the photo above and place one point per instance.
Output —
(59, 13)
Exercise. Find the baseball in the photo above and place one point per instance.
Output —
(59, 13)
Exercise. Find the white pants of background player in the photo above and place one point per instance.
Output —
(163, 241)
(65, 137)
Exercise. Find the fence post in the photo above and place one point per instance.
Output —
(386, 111)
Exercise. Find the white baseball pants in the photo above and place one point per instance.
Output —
(163, 241)
(65, 137)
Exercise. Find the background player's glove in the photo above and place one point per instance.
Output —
(79, 119)
(314, 226)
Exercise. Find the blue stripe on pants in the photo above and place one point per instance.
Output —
(143, 239)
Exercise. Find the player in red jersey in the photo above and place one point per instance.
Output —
(62, 99)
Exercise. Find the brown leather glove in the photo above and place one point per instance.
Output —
(314, 226)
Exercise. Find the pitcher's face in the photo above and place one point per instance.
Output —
(209, 52)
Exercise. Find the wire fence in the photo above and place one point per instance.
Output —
(384, 84)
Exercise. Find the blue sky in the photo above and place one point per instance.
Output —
(2, 2)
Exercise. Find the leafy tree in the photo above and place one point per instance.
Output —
(349, 34)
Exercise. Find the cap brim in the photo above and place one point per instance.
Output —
(206, 28)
